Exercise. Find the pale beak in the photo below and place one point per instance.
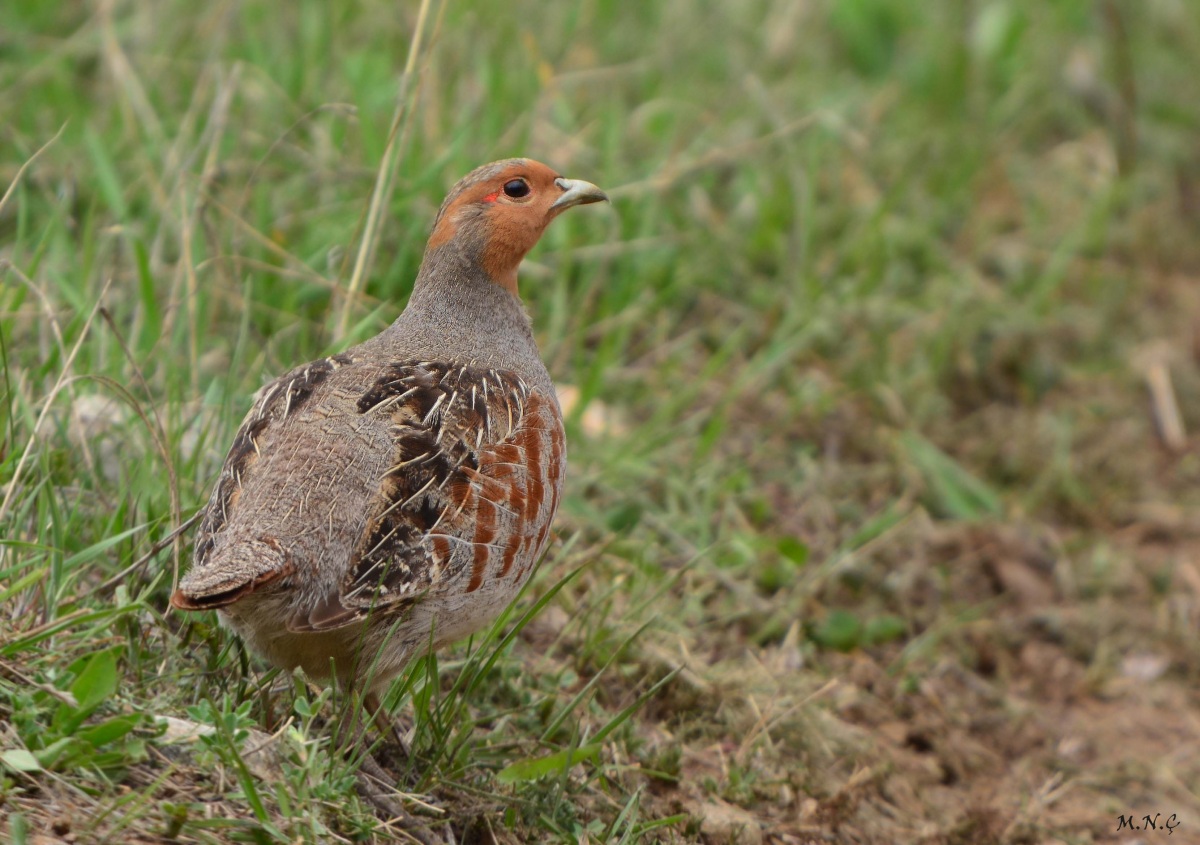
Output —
(577, 192)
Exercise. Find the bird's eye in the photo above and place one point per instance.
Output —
(516, 188)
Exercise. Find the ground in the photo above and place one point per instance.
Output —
(882, 377)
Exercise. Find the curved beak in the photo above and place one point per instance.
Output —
(577, 192)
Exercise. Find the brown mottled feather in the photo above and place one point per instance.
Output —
(286, 395)
(463, 468)
(459, 470)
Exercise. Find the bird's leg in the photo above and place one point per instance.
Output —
(385, 724)
(374, 782)
(377, 786)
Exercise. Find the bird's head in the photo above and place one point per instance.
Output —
(497, 213)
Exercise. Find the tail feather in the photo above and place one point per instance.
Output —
(232, 572)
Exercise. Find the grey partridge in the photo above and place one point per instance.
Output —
(396, 496)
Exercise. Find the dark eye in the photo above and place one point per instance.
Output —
(516, 189)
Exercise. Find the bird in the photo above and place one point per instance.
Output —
(394, 498)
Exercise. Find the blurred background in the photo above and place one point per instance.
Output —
(882, 370)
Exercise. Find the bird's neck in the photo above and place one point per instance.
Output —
(456, 310)
(461, 269)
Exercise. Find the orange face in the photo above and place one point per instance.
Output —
(500, 210)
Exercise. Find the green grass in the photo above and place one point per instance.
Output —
(876, 509)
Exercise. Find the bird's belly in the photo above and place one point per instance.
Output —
(258, 620)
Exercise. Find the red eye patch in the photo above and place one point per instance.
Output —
(491, 197)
